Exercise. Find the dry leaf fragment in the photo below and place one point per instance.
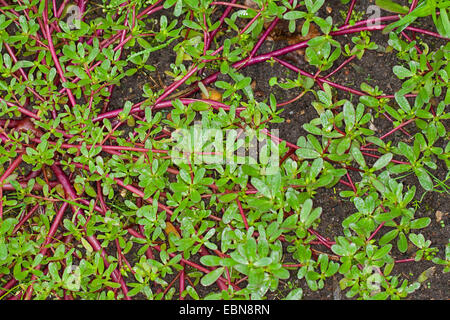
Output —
(281, 33)
(297, 37)
(48, 172)
(426, 274)
(27, 124)
(213, 94)
(171, 229)
(251, 4)
(439, 215)
(60, 190)
(337, 292)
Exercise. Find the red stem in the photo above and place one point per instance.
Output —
(376, 231)
(187, 262)
(397, 128)
(340, 67)
(242, 213)
(413, 5)
(60, 71)
(349, 14)
(70, 192)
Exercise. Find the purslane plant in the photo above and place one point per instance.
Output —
(97, 202)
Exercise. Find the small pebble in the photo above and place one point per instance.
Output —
(439, 215)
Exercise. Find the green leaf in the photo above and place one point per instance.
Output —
(294, 15)
(343, 145)
(195, 196)
(3, 251)
(391, 6)
(281, 273)
(402, 243)
(192, 25)
(22, 64)
(380, 253)
(306, 210)
(228, 197)
(191, 291)
(192, 3)
(407, 151)
(86, 245)
(210, 260)
(402, 102)
(443, 25)
(263, 262)
(290, 222)
(169, 3)
(316, 6)
(358, 156)
(349, 115)
(305, 153)
(18, 273)
(295, 294)
(388, 215)
(369, 101)
(238, 258)
(261, 187)
(313, 216)
(424, 179)
(324, 97)
(243, 83)
(7, 225)
(316, 167)
(383, 161)
(420, 223)
(401, 72)
(251, 248)
(417, 240)
(211, 277)
(312, 129)
(339, 250)
(388, 237)
(178, 8)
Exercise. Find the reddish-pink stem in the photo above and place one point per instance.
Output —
(405, 260)
(376, 231)
(60, 71)
(71, 194)
(187, 262)
(397, 128)
(349, 14)
(340, 67)
(241, 211)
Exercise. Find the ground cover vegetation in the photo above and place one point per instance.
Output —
(97, 201)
